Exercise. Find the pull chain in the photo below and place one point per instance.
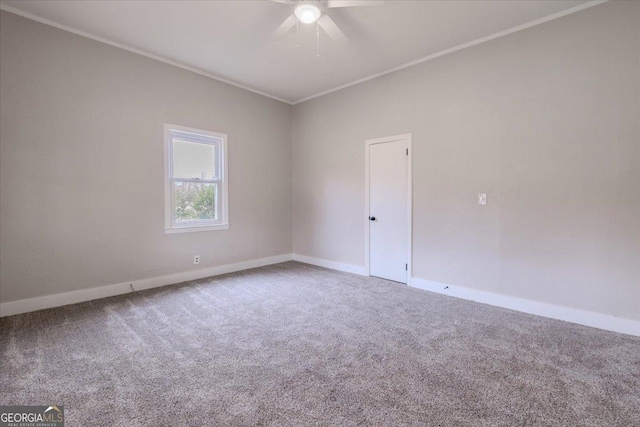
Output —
(317, 40)
(297, 34)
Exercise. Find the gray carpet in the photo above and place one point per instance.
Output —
(296, 345)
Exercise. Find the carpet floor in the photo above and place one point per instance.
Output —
(297, 345)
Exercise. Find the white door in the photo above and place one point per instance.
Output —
(388, 210)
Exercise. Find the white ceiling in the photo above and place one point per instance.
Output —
(231, 39)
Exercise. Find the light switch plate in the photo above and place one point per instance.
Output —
(482, 199)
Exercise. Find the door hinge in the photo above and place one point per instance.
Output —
(407, 151)
(406, 267)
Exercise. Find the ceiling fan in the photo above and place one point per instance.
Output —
(310, 11)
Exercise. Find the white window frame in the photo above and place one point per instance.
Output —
(222, 203)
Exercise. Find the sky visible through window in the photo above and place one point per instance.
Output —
(193, 160)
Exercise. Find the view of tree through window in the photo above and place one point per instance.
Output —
(195, 201)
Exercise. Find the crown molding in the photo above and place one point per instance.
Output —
(136, 51)
(459, 47)
(326, 92)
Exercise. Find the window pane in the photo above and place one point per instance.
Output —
(193, 161)
(195, 201)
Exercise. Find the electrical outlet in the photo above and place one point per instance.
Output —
(482, 199)
(196, 259)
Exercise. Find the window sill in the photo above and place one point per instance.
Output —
(195, 228)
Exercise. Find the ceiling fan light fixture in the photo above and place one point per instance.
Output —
(307, 13)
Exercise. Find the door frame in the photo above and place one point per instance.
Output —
(368, 143)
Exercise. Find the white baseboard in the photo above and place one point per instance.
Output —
(587, 318)
(334, 265)
(66, 298)
(581, 317)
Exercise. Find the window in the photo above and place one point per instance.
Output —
(196, 196)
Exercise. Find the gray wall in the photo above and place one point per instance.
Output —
(81, 172)
(545, 121)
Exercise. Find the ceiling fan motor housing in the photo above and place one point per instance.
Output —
(307, 13)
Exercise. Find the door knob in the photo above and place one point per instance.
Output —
(372, 218)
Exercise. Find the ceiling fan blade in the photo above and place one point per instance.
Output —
(284, 28)
(282, 1)
(330, 27)
(352, 3)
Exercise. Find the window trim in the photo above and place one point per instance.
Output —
(170, 226)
